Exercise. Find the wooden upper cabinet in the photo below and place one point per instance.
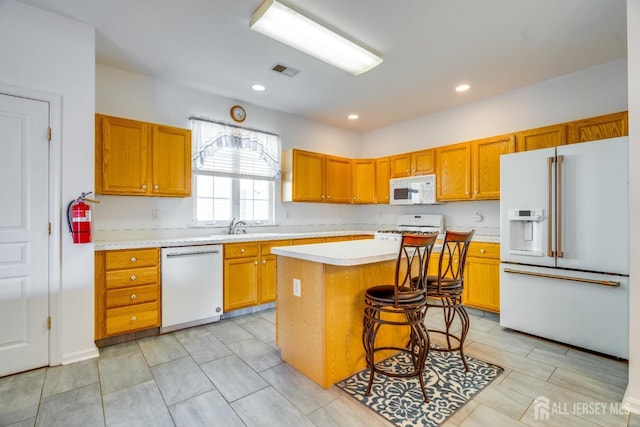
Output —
(545, 137)
(171, 170)
(400, 165)
(141, 159)
(415, 163)
(453, 169)
(315, 177)
(423, 162)
(337, 179)
(382, 180)
(363, 174)
(486, 164)
(302, 176)
(601, 127)
(122, 156)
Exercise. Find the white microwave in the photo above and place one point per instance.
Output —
(414, 190)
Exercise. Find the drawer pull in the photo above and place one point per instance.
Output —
(241, 250)
(133, 277)
(483, 251)
(133, 296)
(134, 318)
(133, 259)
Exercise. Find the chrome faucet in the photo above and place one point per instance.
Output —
(232, 225)
(237, 227)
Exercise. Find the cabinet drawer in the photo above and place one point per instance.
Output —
(265, 247)
(132, 295)
(484, 250)
(132, 318)
(240, 250)
(115, 260)
(132, 277)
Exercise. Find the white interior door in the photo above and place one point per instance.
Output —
(24, 235)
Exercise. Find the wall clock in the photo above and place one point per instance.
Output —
(238, 114)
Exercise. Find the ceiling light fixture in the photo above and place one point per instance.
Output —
(352, 117)
(463, 88)
(258, 88)
(290, 27)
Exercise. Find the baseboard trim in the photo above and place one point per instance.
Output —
(79, 356)
(631, 404)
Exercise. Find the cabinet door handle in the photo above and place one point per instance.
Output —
(133, 259)
(133, 277)
(264, 261)
(328, 197)
(134, 318)
(255, 262)
(155, 187)
(133, 296)
(144, 186)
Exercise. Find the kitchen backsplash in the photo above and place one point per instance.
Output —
(173, 217)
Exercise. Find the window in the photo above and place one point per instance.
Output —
(235, 170)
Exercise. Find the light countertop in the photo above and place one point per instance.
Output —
(348, 253)
(216, 239)
(150, 241)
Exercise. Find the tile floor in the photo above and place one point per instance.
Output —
(230, 374)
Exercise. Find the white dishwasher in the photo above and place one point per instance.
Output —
(191, 286)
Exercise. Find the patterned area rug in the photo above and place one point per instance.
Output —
(400, 400)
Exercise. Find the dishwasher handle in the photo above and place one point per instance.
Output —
(184, 254)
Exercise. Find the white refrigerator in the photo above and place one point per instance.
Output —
(564, 244)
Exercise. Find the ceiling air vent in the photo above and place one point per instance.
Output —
(283, 69)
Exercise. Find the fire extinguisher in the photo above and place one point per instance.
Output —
(79, 218)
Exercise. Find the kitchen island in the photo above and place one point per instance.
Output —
(320, 305)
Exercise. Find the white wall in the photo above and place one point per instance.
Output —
(591, 92)
(124, 94)
(632, 397)
(587, 93)
(44, 52)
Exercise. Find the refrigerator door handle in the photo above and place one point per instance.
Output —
(559, 253)
(550, 251)
(572, 279)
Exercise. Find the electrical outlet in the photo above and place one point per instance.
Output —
(296, 288)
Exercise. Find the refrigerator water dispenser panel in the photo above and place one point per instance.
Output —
(526, 232)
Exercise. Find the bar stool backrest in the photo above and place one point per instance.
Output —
(452, 260)
(412, 264)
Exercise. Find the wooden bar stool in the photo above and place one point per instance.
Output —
(445, 290)
(401, 304)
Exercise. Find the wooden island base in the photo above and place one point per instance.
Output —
(320, 332)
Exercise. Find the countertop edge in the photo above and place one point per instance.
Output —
(103, 245)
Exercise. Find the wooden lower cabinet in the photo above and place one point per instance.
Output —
(249, 274)
(482, 277)
(127, 291)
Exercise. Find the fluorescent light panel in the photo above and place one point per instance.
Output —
(284, 24)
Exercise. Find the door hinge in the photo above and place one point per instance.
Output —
(49, 134)
(49, 229)
(49, 323)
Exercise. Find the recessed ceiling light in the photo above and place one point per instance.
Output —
(258, 88)
(352, 117)
(462, 88)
